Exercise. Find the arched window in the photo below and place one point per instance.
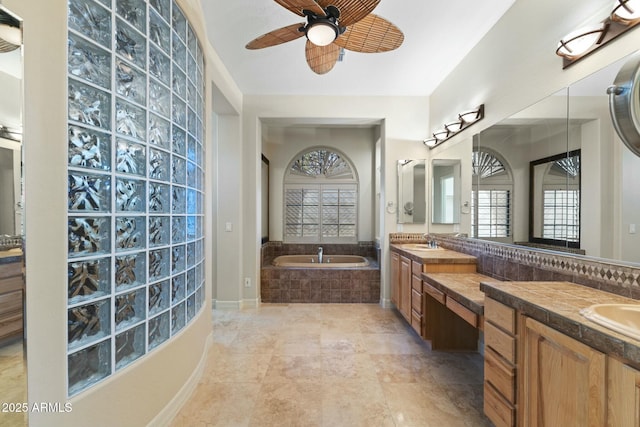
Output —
(491, 213)
(320, 198)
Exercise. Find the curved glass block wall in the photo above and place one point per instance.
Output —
(135, 172)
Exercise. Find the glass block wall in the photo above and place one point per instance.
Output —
(135, 173)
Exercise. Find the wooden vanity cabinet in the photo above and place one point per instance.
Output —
(11, 301)
(623, 394)
(395, 279)
(416, 297)
(564, 380)
(401, 284)
(405, 288)
(500, 363)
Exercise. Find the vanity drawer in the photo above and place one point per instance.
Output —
(500, 374)
(416, 300)
(469, 316)
(436, 294)
(499, 411)
(416, 321)
(10, 302)
(500, 315)
(416, 283)
(416, 268)
(500, 341)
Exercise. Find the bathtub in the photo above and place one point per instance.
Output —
(328, 261)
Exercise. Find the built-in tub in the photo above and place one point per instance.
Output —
(328, 261)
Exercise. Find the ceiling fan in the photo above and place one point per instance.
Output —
(332, 25)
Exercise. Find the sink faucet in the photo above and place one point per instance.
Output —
(320, 254)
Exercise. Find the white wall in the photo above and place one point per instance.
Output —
(154, 385)
(357, 143)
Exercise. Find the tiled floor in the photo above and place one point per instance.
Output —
(330, 365)
(13, 382)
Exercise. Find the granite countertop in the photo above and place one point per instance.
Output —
(12, 255)
(558, 305)
(440, 256)
(462, 287)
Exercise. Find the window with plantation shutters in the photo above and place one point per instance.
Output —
(491, 198)
(320, 198)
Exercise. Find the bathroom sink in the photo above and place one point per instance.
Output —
(622, 318)
(419, 247)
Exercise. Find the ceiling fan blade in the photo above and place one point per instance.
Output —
(297, 6)
(372, 34)
(321, 59)
(276, 37)
(351, 11)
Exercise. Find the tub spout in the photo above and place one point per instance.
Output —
(320, 254)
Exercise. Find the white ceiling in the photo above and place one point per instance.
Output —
(438, 34)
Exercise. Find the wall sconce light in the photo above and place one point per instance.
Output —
(580, 43)
(463, 121)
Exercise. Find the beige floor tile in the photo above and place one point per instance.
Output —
(331, 365)
(356, 403)
(290, 403)
(421, 404)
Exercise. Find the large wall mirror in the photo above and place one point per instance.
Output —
(445, 201)
(412, 194)
(545, 146)
(13, 385)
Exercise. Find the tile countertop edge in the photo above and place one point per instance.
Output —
(583, 330)
(429, 258)
(459, 297)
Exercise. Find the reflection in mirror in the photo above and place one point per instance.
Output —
(446, 191)
(575, 118)
(501, 158)
(412, 200)
(13, 385)
(554, 200)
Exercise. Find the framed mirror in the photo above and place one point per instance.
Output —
(445, 200)
(412, 194)
(554, 200)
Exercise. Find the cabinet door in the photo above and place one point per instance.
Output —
(564, 380)
(395, 279)
(623, 395)
(405, 288)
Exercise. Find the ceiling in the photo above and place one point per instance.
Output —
(438, 35)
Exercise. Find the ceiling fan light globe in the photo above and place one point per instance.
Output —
(322, 33)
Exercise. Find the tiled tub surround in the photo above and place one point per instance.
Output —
(318, 285)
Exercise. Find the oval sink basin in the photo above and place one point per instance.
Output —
(622, 318)
(419, 247)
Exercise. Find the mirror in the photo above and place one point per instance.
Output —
(554, 200)
(446, 191)
(264, 194)
(575, 118)
(12, 320)
(412, 199)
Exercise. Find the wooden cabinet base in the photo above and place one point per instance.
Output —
(445, 329)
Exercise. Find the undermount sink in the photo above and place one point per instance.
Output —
(622, 318)
(419, 247)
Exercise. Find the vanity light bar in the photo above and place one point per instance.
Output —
(463, 121)
(580, 43)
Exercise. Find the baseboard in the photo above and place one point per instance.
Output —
(227, 305)
(250, 303)
(166, 416)
(386, 303)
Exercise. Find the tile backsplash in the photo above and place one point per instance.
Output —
(511, 262)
